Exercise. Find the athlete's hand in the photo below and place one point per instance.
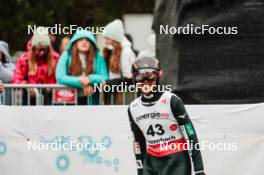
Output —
(84, 81)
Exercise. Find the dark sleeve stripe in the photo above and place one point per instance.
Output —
(180, 114)
(140, 139)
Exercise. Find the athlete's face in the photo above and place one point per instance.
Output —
(147, 82)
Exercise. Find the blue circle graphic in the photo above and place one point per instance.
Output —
(91, 154)
(99, 160)
(107, 141)
(63, 162)
(3, 148)
(116, 161)
(88, 153)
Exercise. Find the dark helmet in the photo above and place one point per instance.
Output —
(146, 64)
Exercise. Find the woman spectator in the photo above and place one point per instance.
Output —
(81, 66)
(6, 67)
(38, 64)
(119, 56)
(6, 70)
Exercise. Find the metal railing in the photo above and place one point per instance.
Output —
(55, 94)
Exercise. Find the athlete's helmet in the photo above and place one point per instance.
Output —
(146, 64)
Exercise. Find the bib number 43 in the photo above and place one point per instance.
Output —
(156, 129)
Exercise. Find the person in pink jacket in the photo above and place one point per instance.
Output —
(38, 64)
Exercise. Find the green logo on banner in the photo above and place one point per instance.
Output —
(189, 129)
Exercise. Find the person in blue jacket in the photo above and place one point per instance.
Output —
(81, 66)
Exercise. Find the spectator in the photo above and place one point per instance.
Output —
(38, 64)
(6, 67)
(6, 70)
(55, 42)
(64, 43)
(81, 65)
(119, 56)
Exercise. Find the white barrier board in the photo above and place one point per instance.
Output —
(71, 124)
(239, 125)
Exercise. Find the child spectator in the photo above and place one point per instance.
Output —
(6, 70)
(38, 64)
(6, 67)
(81, 66)
(119, 56)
